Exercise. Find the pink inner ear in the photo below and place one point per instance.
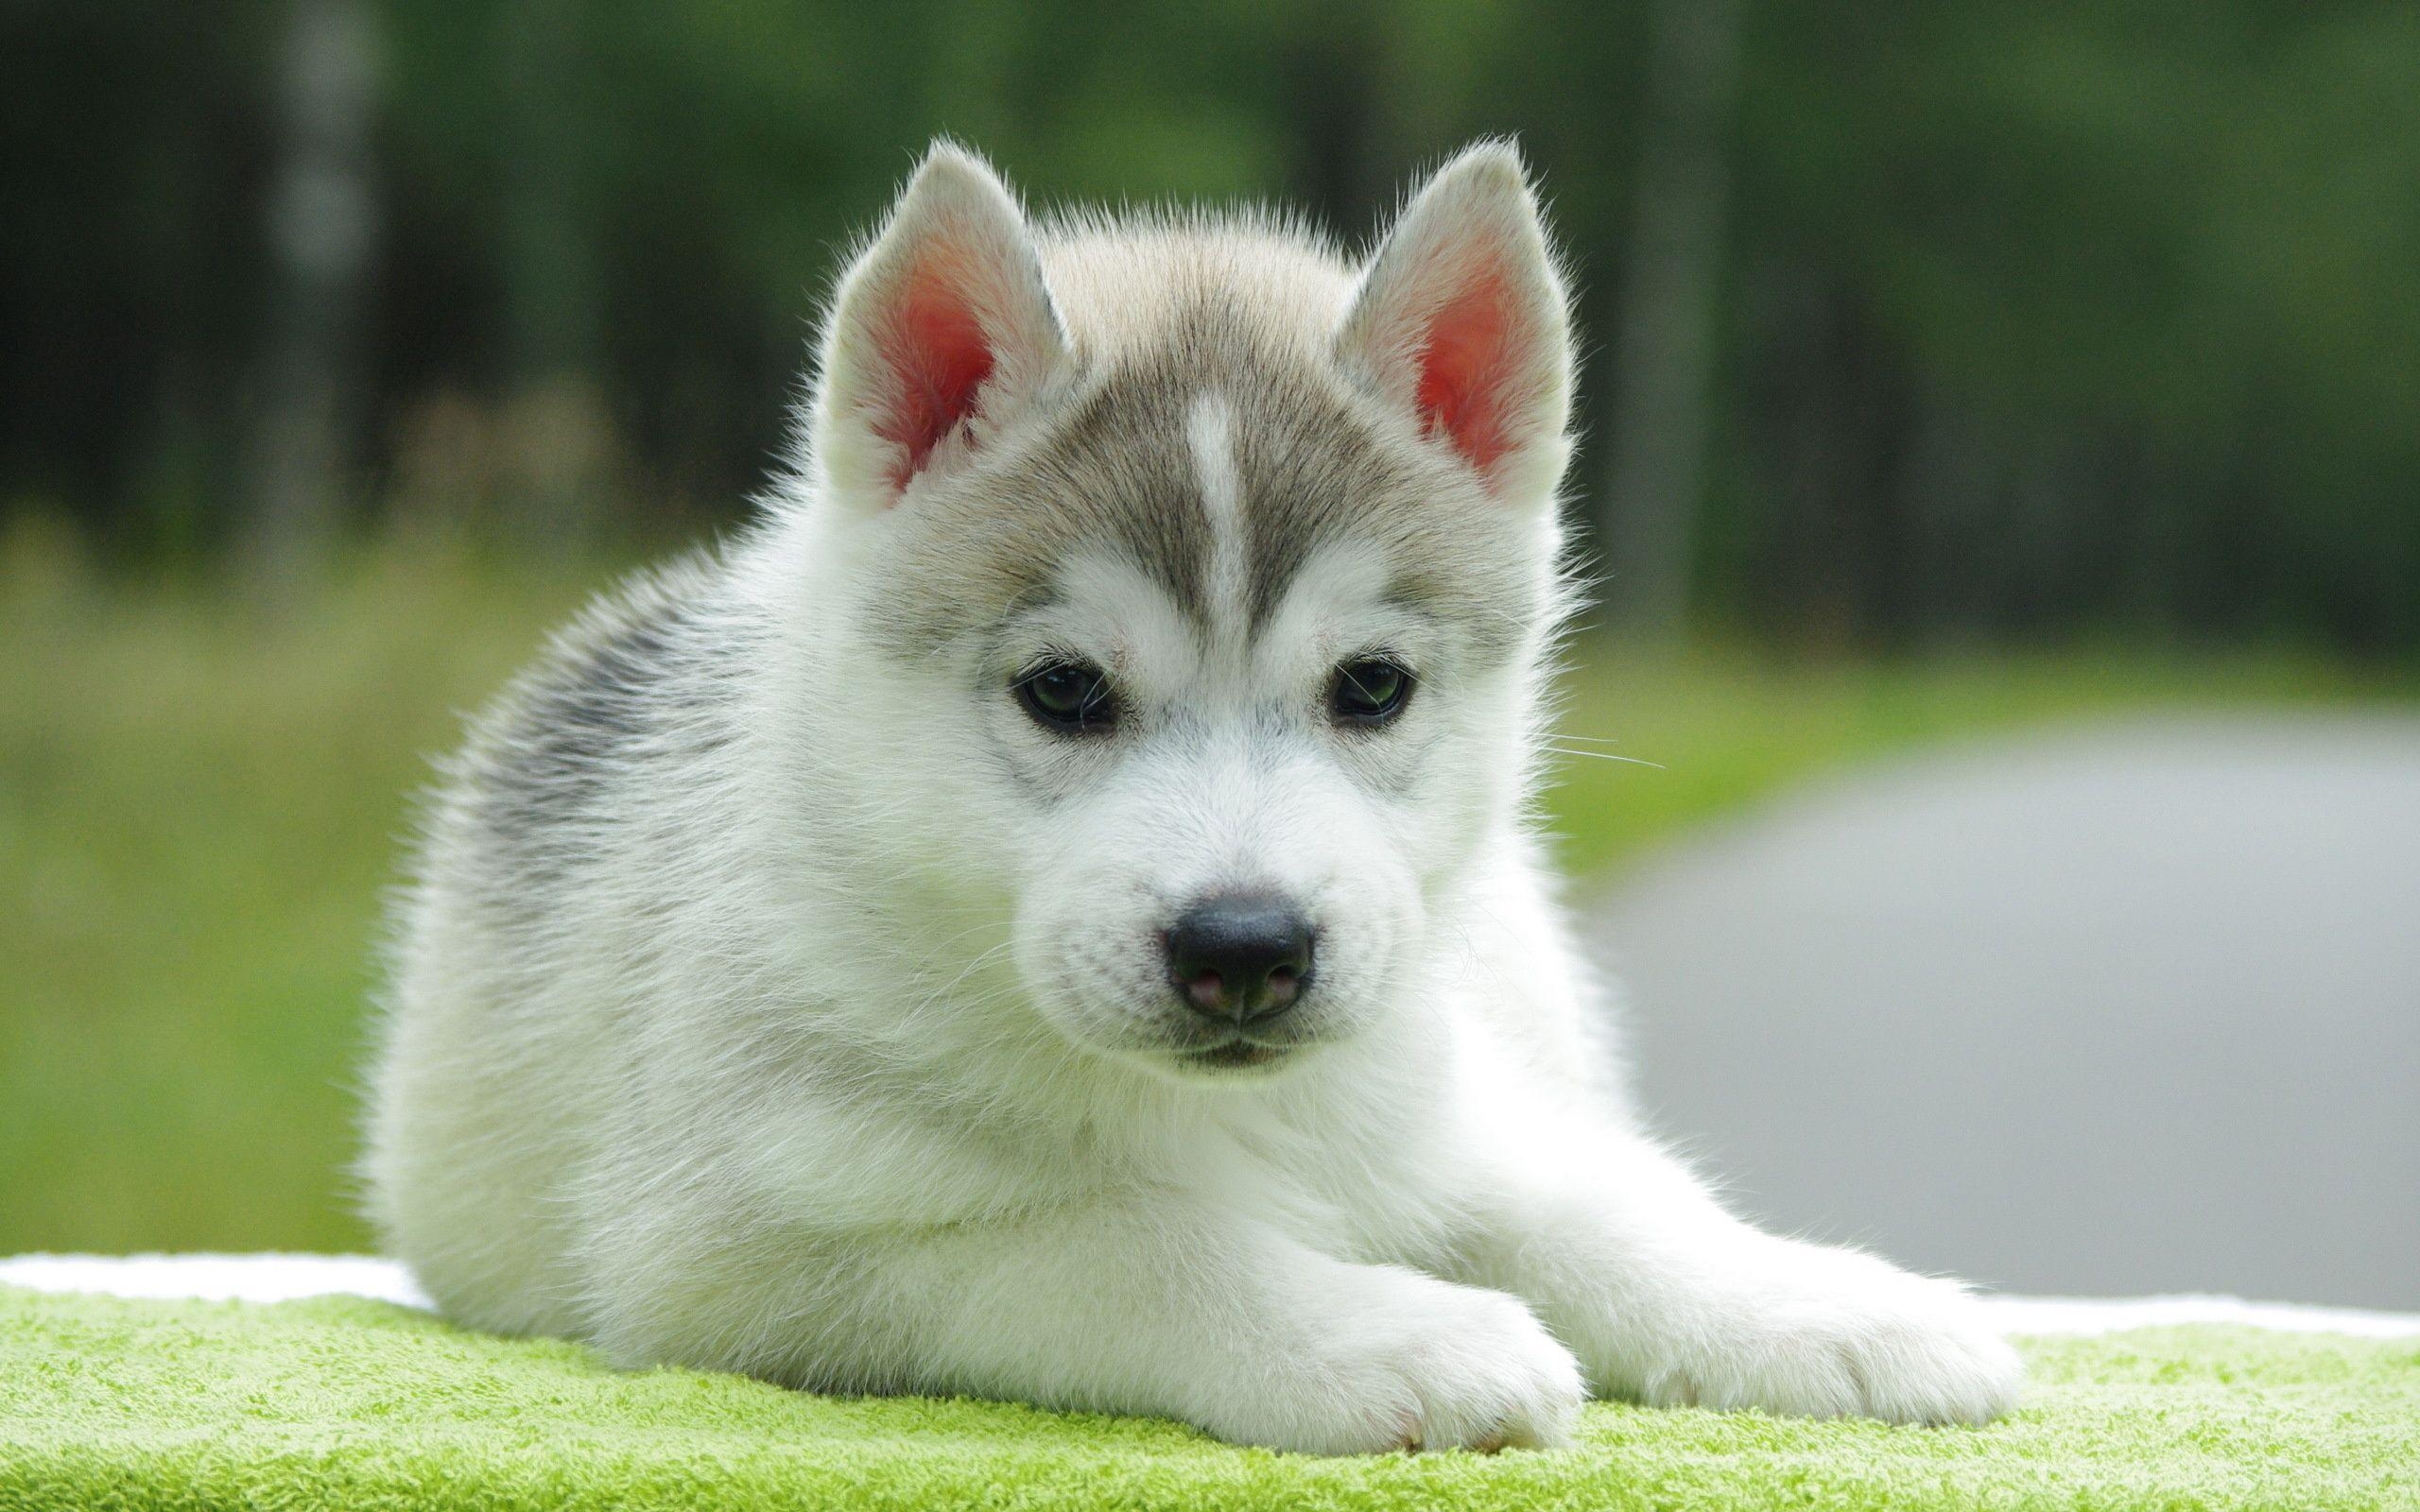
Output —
(1464, 365)
(939, 357)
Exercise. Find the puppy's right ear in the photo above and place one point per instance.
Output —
(941, 333)
(1462, 320)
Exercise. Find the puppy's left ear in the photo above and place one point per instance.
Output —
(1462, 318)
(942, 334)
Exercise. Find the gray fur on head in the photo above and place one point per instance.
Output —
(1106, 330)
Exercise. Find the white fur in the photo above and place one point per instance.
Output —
(1209, 427)
(828, 1036)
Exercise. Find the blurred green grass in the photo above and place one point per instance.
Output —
(201, 794)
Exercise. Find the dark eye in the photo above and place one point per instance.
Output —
(1070, 698)
(1369, 690)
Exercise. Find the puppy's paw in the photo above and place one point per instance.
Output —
(1832, 1333)
(1427, 1364)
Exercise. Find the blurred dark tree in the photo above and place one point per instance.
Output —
(1914, 323)
(323, 224)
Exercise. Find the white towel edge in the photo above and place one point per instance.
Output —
(278, 1278)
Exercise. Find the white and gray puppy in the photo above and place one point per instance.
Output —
(1050, 912)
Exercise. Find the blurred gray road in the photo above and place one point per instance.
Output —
(2125, 1009)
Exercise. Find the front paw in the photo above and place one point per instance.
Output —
(1832, 1333)
(1416, 1364)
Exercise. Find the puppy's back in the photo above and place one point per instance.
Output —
(514, 946)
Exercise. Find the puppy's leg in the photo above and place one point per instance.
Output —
(1667, 1299)
(1212, 1319)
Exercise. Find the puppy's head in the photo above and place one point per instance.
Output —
(1193, 586)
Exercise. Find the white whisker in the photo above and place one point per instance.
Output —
(1605, 756)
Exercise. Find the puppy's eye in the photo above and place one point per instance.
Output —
(1369, 690)
(1067, 698)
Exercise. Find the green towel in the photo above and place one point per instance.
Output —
(343, 1402)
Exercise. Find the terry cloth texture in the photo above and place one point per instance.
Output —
(343, 1401)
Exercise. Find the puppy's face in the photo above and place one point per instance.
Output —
(1209, 585)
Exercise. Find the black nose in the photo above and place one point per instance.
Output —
(1244, 958)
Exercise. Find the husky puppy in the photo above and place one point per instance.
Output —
(1050, 911)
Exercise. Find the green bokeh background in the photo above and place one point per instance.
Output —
(2058, 359)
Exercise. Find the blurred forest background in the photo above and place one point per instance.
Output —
(1950, 367)
(1909, 321)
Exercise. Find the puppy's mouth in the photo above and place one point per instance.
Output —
(1237, 1055)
